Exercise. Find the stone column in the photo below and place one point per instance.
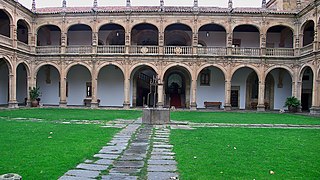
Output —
(263, 48)
(12, 90)
(315, 108)
(261, 106)
(193, 104)
(227, 101)
(161, 38)
(126, 103)
(94, 86)
(160, 95)
(63, 89)
(13, 29)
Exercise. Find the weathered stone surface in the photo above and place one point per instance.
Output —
(125, 170)
(161, 150)
(83, 173)
(131, 164)
(119, 177)
(162, 153)
(74, 178)
(163, 146)
(161, 175)
(94, 167)
(158, 157)
(104, 161)
(164, 162)
(156, 116)
(106, 156)
(131, 158)
(162, 168)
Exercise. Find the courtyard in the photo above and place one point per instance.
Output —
(50, 143)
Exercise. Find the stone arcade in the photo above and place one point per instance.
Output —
(243, 58)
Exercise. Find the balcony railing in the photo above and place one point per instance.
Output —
(306, 49)
(23, 46)
(144, 50)
(176, 50)
(111, 49)
(284, 52)
(5, 40)
(48, 49)
(217, 51)
(74, 49)
(246, 51)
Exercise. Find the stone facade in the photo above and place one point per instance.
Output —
(168, 42)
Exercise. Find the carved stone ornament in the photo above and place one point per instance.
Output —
(144, 50)
(178, 50)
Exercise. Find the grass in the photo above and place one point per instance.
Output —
(70, 114)
(244, 153)
(243, 118)
(26, 149)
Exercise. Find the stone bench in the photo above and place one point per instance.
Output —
(212, 105)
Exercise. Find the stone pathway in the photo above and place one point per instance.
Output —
(135, 152)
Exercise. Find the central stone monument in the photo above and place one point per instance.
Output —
(155, 115)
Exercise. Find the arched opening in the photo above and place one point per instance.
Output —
(111, 34)
(213, 35)
(140, 89)
(279, 37)
(4, 83)
(308, 33)
(178, 35)
(22, 31)
(4, 24)
(244, 89)
(48, 80)
(307, 87)
(79, 85)
(79, 34)
(177, 81)
(144, 35)
(282, 87)
(210, 86)
(247, 36)
(22, 84)
(111, 86)
(49, 35)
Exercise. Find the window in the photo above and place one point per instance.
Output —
(89, 89)
(205, 78)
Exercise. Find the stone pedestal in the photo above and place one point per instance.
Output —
(315, 111)
(156, 116)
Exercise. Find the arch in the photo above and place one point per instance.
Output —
(23, 29)
(6, 31)
(46, 36)
(37, 68)
(78, 24)
(114, 25)
(303, 68)
(148, 26)
(177, 65)
(22, 78)
(284, 41)
(177, 35)
(182, 26)
(308, 29)
(144, 34)
(153, 67)
(221, 68)
(291, 73)
(243, 25)
(67, 69)
(83, 30)
(280, 25)
(26, 66)
(9, 64)
(110, 63)
(256, 70)
(307, 87)
(207, 27)
(303, 26)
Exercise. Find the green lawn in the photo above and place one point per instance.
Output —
(70, 114)
(25, 148)
(243, 118)
(244, 153)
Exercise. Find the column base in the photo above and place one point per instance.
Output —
(126, 105)
(13, 105)
(193, 106)
(94, 105)
(261, 108)
(227, 107)
(63, 104)
(160, 105)
(315, 110)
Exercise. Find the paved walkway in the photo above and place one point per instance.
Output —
(135, 152)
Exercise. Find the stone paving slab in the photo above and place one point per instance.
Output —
(130, 164)
(131, 158)
(104, 161)
(119, 177)
(162, 168)
(73, 178)
(106, 156)
(83, 173)
(162, 153)
(162, 162)
(162, 175)
(161, 150)
(166, 146)
(125, 170)
(154, 157)
(94, 167)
